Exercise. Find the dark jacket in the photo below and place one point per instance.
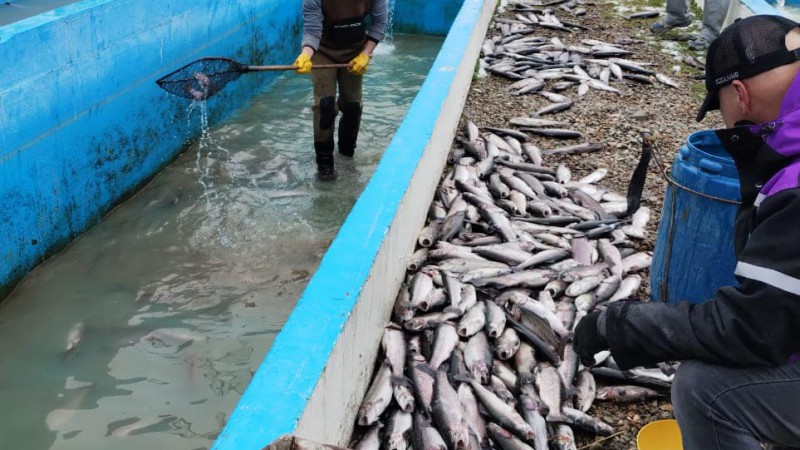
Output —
(757, 323)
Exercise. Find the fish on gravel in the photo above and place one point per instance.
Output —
(626, 394)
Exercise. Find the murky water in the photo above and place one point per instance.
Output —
(15, 10)
(180, 291)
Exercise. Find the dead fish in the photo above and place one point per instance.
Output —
(554, 108)
(535, 122)
(666, 80)
(445, 342)
(505, 439)
(377, 398)
(643, 15)
(473, 320)
(448, 415)
(403, 310)
(478, 357)
(638, 78)
(586, 147)
(469, 406)
(371, 440)
(507, 344)
(587, 422)
(495, 319)
(630, 284)
(586, 390)
(74, 338)
(636, 262)
(423, 378)
(595, 176)
(548, 382)
(560, 133)
(503, 413)
(398, 432)
(626, 394)
(564, 438)
(425, 436)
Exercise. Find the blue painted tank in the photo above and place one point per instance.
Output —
(693, 253)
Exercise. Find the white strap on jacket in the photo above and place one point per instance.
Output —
(768, 276)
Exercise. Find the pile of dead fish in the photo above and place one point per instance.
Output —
(479, 353)
(518, 52)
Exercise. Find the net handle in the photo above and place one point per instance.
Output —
(291, 67)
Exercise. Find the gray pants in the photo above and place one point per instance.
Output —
(714, 12)
(721, 408)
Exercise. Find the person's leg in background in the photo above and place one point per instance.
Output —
(714, 12)
(678, 16)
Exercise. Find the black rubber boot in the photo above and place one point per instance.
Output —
(348, 127)
(325, 168)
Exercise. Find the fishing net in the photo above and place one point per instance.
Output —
(203, 78)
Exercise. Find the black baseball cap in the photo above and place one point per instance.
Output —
(746, 48)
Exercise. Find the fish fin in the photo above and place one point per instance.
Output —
(425, 367)
(401, 381)
(453, 310)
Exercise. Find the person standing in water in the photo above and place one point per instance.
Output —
(335, 32)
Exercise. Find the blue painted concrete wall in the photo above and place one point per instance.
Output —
(425, 16)
(82, 122)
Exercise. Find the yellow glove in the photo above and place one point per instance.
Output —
(358, 65)
(303, 64)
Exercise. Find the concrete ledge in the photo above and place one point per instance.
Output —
(314, 377)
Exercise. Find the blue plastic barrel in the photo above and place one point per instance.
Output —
(693, 254)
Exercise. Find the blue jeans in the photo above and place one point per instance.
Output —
(723, 408)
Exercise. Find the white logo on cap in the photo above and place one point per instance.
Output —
(727, 78)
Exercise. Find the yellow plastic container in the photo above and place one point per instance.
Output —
(660, 435)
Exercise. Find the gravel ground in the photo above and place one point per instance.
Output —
(614, 120)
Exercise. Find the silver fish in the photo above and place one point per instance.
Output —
(505, 439)
(473, 320)
(74, 338)
(394, 347)
(469, 406)
(564, 438)
(371, 439)
(377, 398)
(630, 284)
(548, 382)
(626, 394)
(636, 262)
(586, 390)
(425, 436)
(398, 433)
(533, 416)
(595, 176)
(501, 390)
(423, 379)
(495, 319)
(507, 344)
(448, 415)
(478, 357)
(445, 342)
(502, 412)
(587, 422)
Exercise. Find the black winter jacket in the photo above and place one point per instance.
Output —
(757, 323)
